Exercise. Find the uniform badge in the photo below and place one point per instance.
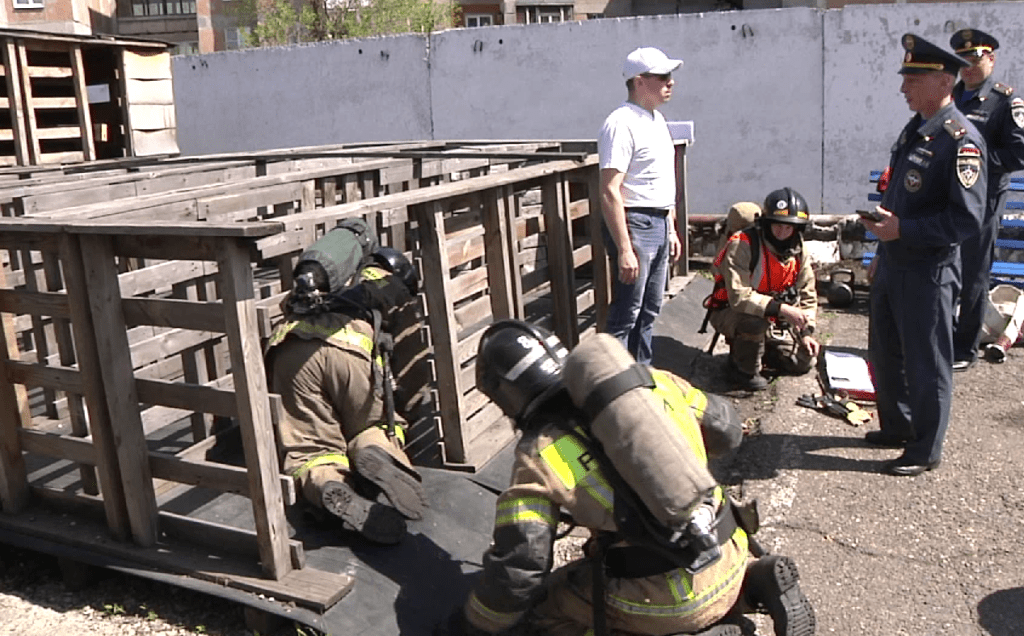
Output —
(908, 43)
(912, 181)
(967, 34)
(1017, 109)
(968, 165)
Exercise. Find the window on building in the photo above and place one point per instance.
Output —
(547, 13)
(28, 4)
(234, 37)
(185, 48)
(143, 8)
(479, 19)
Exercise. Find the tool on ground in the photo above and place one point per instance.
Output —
(836, 406)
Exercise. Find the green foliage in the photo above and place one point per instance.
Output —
(279, 22)
(113, 609)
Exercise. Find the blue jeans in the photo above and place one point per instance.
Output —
(634, 307)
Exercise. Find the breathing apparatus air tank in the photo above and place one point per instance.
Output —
(641, 440)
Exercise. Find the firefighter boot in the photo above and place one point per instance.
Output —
(745, 363)
(376, 522)
(399, 483)
(772, 584)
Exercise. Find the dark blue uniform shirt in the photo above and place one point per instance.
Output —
(999, 115)
(937, 188)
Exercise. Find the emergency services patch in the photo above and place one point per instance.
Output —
(912, 182)
(1017, 108)
(968, 165)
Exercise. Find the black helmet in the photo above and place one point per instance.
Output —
(395, 262)
(785, 206)
(519, 365)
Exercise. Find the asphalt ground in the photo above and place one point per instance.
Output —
(936, 554)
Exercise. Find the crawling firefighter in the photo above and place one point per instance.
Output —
(622, 450)
(764, 300)
(340, 437)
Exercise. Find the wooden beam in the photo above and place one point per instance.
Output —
(119, 384)
(16, 105)
(15, 414)
(100, 427)
(599, 255)
(560, 270)
(441, 317)
(250, 380)
(171, 312)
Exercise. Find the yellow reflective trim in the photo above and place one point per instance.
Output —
(680, 411)
(563, 456)
(506, 619)
(343, 335)
(525, 510)
(329, 458)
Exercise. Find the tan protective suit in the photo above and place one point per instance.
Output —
(553, 473)
(321, 366)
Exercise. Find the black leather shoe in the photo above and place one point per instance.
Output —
(963, 365)
(900, 468)
(879, 438)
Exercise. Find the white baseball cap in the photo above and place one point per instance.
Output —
(648, 59)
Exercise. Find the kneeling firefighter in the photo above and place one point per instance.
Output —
(340, 437)
(764, 299)
(620, 449)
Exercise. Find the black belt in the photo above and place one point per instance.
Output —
(650, 211)
(638, 562)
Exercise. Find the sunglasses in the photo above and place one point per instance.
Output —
(663, 77)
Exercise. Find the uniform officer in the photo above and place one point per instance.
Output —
(999, 116)
(934, 200)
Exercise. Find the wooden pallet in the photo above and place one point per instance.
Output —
(141, 319)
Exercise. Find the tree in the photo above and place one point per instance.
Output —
(279, 22)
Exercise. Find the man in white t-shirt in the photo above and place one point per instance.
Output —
(638, 194)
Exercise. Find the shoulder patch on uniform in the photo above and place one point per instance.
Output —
(1017, 111)
(1002, 88)
(953, 127)
(968, 164)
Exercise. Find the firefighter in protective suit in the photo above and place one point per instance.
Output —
(764, 299)
(340, 438)
(639, 586)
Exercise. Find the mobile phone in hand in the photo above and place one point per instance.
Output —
(871, 215)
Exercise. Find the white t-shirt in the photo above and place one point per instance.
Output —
(637, 143)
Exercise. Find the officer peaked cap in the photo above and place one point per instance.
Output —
(973, 43)
(924, 57)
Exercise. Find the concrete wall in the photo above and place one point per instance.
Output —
(798, 97)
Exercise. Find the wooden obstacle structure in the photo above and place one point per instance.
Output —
(71, 98)
(136, 296)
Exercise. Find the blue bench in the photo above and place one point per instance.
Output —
(1002, 271)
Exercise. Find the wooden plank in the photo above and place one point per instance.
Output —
(559, 244)
(49, 72)
(15, 414)
(66, 352)
(222, 537)
(170, 312)
(29, 105)
(441, 317)
(44, 376)
(599, 255)
(80, 451)
(188, 396)
(119, 383)
(114, 504)
(499, 246)
(308, 587)
(159, 275)
(236, 287)
(35, 303)
(82, 97)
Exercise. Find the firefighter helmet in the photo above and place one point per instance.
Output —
(518, 366)
(786, 206)
(396, 262)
